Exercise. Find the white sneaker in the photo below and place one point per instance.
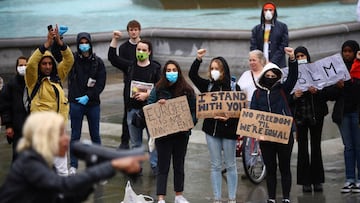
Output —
(161, 201)
(72, 171)
(180, 199)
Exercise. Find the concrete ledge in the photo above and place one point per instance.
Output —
(182, 44)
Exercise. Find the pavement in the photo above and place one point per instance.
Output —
(197, 165)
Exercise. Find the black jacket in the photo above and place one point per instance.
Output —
(279, 39)
(13, 113)
(83, 69)
(30, 179)
(217, 128)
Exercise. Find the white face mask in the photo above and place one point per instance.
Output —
(302, 61)
(268, 15)
(21, 70)
(215, 74)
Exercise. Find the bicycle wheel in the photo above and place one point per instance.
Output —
(253, 162)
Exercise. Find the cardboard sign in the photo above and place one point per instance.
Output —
(265, 126)
(320, 74)
(224, 103)
(165, 119)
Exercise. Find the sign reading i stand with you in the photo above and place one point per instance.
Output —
(165, 119)
(264, 126)
(320, 74)
(222, 103)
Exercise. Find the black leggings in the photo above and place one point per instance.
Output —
(174, 146)
(271, 150)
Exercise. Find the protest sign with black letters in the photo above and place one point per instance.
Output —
(265, 126)
(320, 74)
(222, 103)
(165, 119)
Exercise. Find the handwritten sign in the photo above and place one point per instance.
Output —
(224, 103)
(265, 126)
(165, 119)
(320, 74)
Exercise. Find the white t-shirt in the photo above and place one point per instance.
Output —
(246, 84)
(266, 40)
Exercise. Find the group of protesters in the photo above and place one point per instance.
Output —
(35, 109)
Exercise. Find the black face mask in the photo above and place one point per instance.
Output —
(269, 82)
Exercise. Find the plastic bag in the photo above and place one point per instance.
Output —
(131, 197)
(151, 144)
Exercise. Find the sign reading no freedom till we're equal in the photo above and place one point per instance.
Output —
(222, 103)
(165, 119)
(264, 126)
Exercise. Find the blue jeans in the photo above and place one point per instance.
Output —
(77, 113)
(350, 134)
(136, 136)
(218, 146)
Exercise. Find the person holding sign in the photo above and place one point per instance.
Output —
(310, 171)
(220, 130)
(346, 116)
(172, 84)
(272, 96)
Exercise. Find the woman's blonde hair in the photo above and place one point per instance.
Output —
(221, 66)
(41, 133)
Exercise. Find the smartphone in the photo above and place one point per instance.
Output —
(49, 27)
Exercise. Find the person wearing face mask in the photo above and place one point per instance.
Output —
(172, 84)
(221, 130)
(272, 96)
(143, 70)
(270, 36)
(309, 109)
(13, 105)
(87, 80)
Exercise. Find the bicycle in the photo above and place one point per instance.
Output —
(253, 162)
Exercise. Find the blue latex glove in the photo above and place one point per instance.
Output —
(82, 100)
(62, 29)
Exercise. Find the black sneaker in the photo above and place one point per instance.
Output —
(271, 201)
(285, 201)
(124, 146)
(347, 187)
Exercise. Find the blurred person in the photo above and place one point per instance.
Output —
(272, 96)
(127, 52)
(221, 130)
(32, 178)
(44, 78)
(172, 84)
(87, 80)
(270, 36)
(13, 105)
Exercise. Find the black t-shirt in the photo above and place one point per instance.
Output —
(149, 74)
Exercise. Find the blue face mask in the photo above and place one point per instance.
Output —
(172, 76)
(84, 47)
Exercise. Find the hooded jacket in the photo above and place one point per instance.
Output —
(275, 99)
(347, 100)
(214, 127)
(50, 96)
(278, 40)
(83, 69)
